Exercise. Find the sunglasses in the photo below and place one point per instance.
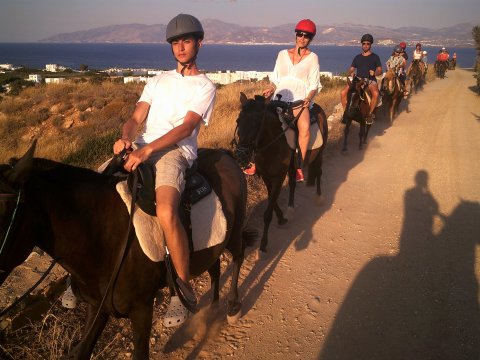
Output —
(305, 35)
(396, 52)
(366, 43)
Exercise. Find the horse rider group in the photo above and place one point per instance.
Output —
(443, 57)
(173, 106)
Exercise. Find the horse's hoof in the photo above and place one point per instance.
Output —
(319, 200)
(261, 255)
(234, 313)
(290, 212)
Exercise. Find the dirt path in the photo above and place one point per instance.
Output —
(386, 267)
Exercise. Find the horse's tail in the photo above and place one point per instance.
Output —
(249, 237)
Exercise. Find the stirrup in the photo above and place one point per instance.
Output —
(69, 300)
(369, 119)
(176, 313)
(187, 295)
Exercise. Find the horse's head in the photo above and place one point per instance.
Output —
(357, 94)
(14, 249)
(389, 81)
(248, 125)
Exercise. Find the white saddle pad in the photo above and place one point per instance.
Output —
(209, 225)
(316, 139)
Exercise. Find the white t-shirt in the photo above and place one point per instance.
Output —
(171, 96)
(417, 55)
(294, 82)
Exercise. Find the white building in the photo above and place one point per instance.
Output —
(35, 78)
(136, 79)
(54, 80)
(6, 66)
(54, 67)
(228, 77)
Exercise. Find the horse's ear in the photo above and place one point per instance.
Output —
(21, 171)
(243, 98)
(260, 98)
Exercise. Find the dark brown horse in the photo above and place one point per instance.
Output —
(441, 68)
(78, 218)
(259, 130)
(392, 94)
(415, 75)
(357, 109)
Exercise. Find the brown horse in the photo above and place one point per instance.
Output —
(357, 109)
(259, 130)
(392, 93)
(416, 75)
(441, 68)
(77, 217)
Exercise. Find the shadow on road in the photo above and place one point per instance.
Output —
(421, 303)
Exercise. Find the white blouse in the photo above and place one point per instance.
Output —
(294, 82)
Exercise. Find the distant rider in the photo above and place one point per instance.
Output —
(366, 65)
(397, 64)
(417, 56)
(403, 45)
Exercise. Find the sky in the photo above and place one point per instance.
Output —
(33, 20)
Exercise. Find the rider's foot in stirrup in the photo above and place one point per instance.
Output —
(369, 119)
(250, 169)
(299, 175)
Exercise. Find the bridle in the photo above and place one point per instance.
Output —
(17, 198)
(243, 151)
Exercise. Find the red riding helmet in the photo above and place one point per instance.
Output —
(403, 45)
(306, 25)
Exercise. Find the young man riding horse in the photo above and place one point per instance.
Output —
(172, 105)
(366, 65)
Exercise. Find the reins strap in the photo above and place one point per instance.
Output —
(294, 122)
(120, 256)
(20, 299)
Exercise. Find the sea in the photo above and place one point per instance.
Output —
(335, 59)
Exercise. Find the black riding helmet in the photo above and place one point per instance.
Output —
(184, 24)
(367, 37)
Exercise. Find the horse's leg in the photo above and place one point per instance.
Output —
(141, 318)
(366, 132)
(214, 273)
(361, 134)
(90, 336)
(234, 306)
(292, 182)
(273, 188)
(345, 134)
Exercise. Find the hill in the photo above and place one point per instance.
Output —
(219, 32)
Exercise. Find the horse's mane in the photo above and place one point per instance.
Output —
(58, 172)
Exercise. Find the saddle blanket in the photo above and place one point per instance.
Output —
(316, 139)
(209, 225)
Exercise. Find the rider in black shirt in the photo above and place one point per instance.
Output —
(366, 65)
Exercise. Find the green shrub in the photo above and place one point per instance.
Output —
(93, 151)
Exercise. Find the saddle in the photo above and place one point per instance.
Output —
(196, 188)
(284, 111)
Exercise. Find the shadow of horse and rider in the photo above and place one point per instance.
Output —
(423, 302)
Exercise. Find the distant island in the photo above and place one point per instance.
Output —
(219, 32)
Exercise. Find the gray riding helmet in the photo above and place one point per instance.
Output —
(184, 24)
